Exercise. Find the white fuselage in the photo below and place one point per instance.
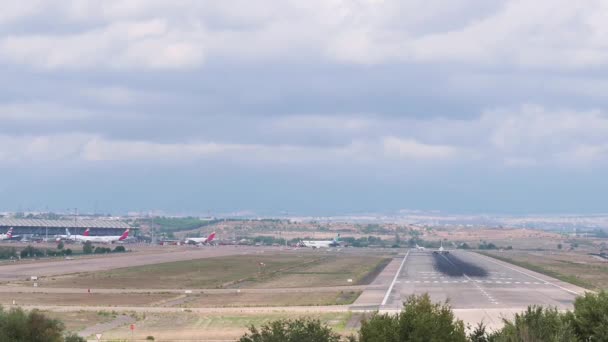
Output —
(96, 239)
(321, 244)
(197, 240)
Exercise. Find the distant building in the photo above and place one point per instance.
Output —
(57, 227)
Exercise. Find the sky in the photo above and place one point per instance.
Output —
(316, 107)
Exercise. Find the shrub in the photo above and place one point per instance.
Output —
(419, 320)
(119, 249)
(291, 331)
(87, 248)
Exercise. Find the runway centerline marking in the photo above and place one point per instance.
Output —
(390, 288)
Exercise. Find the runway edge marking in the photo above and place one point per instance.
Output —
(505, 264)
(390, 288)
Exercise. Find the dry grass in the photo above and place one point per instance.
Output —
(196, 327)
(78, 320)
(272, 299)
(201, 273)
(267, 270)
(574, 267)
(83, 299)
(332, 270)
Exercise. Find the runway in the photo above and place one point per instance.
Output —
(476, 286)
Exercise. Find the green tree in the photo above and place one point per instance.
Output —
(74, 338)
(590, 316)
(536, 324)
(419, 320)
(87, 248)
(60, 245)
(17, 325)
(299, 330)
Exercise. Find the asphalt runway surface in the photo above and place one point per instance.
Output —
(472, 281)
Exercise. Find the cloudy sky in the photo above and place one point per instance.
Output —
(306, 107)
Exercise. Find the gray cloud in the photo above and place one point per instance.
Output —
(371, 93)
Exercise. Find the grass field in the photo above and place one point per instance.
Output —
(196, 327)
(272, 299)
(572, 267)
(78, 320)
(255, 270)
(83, 299)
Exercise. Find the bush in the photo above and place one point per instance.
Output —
(419, 320)
(67, 252)
(74, 338)
(18, 326)
(536, 324)
(299, 330)
(8, 252)
(87, 248)
(30, 252)
(119, 249)
(590, 316)
(102, 250)
(60, 245)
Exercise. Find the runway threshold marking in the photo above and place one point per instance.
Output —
(504, 264)
(390, 288)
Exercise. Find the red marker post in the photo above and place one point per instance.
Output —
(132, 327)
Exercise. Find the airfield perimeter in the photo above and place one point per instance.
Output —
(478, 287)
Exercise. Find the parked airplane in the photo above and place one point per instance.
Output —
(200, 241)
(70, 237)
(322, 244)
(8, 235)
(441, 250)
(103, 239)
(420, 248)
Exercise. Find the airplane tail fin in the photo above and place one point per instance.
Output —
(124, 235)
(211, 237)
(67, 232)
(337, 238)
(9, 234)
(86, 232)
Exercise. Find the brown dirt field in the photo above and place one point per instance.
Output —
(84, 299)
(272, 299)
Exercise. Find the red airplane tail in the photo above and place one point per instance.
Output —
(211, 237)
(86, 232)
(9, 234)
(124, 235)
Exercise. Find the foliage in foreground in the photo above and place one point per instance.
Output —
(421, 320)
(299, 330)
(17, 325)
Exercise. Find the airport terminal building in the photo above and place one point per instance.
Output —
(57, 227)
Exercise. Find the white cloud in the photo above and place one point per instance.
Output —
(135, 44)
(162, 34)
(40, 112)
(522, 137)
(411, 149)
